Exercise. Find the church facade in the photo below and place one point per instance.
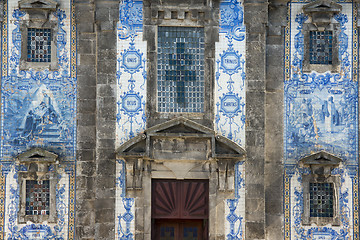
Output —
(168, 119)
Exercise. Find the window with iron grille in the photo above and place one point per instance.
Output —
(37, 176)
(320, 47)
(39, 45)
(321, 199)
(37, 197)
(180, 69)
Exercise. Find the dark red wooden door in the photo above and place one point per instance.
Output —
(180, 209)
(179, 230)
(186, 199)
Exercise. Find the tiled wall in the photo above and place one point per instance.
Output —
(125, 207)
(131, 71)
(235, 208)
(131, 99)
(306, 130)
(230, 73)
(230, 54)
(22, 92)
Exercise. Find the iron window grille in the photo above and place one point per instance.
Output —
(321, 199)
(37, 197)
(39, 45)
(180, 69)
(320, 47)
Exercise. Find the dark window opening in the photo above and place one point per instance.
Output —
(321, 47)
(37, 197)
(39, 45)
(321, 199)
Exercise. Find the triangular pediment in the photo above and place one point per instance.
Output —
(321, 158)
(174, 133)
(134, 147)
(37, 155)
(225, 147)
(322, 6)
(179, 125)
(38, 4)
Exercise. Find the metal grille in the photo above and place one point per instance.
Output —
(37, 197)
(180, 76)
(321, 200)
(321, 47)
(39, 45)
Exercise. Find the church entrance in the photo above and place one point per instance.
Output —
(180, 209)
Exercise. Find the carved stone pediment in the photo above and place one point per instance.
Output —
(321, 158)
(38, 10)
(37, 155)
(321, 12)
(180, 138)
(321, 163)
(38, 4)
(322, 6)
(37, 162)
(180, 149)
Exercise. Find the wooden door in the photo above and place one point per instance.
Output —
(180, 199)
(178, 230)
(180, 209)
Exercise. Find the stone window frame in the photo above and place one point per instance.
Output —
(321, 13)
(335, 66)
(157, 15)
(321, 164)
(35, 164)
(198, 82)
(39, 13)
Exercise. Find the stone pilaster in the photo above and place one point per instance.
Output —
(274, 121)
(106, 19)
(86, 120)
(256, 17)
(96, 23)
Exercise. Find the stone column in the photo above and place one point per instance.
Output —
(256, 17)
(86, 120)
(106, 17)
(95, 206)
(274, 121)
